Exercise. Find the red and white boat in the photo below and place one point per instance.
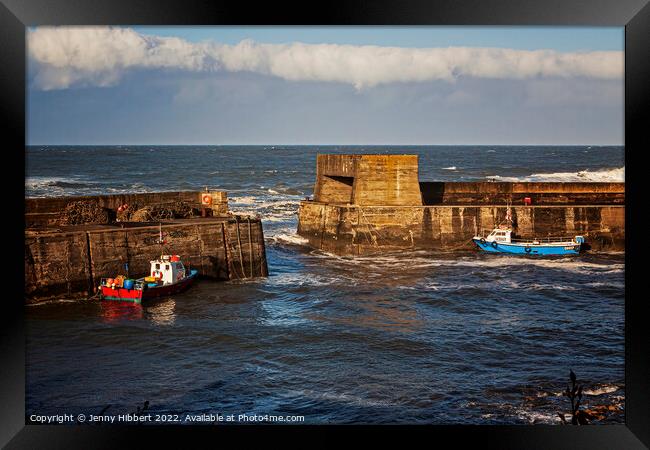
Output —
(168, 276)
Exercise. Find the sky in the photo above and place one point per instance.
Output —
(325, 85)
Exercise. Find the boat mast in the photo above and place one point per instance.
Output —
(508, 217)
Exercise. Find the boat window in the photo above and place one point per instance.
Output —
(166, 266)
(157, 266)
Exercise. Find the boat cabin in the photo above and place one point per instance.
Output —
(168, 268)
(500, 235)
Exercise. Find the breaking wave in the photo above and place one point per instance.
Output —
(602, 389)
(287, 237)
(616, 175)
(41, 186)
(53, 186)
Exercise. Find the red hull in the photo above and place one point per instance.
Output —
(121, 294)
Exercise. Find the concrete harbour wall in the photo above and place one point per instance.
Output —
(358, 230)
(490, 193)
(373, 203)
(71, 264)
(46, 211)
(69, 261)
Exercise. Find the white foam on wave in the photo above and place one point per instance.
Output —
(286, 203)
(342, 397)
(600, 390)
(280, 208)
(297, 279)
(565, 264)
(134, 188)
(36, 182)
(292, 239)
(242, 200)
(609, 284)
(523, 285)
(536, 417)
(51, 189)
(449, 168)
(45, 186)
(422, 262)
(288, 238)
(46, 181)
(271, 219)
(615, 175)
(527, 414)
(264, 201)
(273, 207)
(286, 191)
(490, 285)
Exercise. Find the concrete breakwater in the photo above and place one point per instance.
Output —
(69, 260)
(47, 211)
(371, 203)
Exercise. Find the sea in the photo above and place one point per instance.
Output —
(402, 338)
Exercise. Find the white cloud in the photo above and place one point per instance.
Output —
(61, 57)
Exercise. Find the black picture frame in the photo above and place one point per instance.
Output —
(16, 15)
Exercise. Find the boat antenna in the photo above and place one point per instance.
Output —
(160, 239)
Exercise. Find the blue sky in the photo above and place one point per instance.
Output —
(527, 38)
(514, 85)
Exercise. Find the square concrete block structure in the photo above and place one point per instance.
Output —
(367, 204)
(381, 180)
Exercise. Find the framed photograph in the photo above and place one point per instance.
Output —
(409, 215)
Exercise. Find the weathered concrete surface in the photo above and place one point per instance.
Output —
(358, 230)
(372, 203)
(474, 193)
(56, 264)
(70, 263)
(46, 211)
(387, 180)
(367, 179)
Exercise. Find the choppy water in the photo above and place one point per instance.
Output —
(419, 338)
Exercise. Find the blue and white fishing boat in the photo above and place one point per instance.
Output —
(500, 240)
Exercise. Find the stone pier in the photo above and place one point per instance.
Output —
(68, 261)
(375, 203)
